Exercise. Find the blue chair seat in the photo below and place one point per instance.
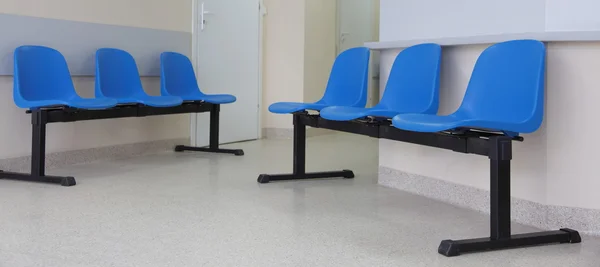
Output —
(433, 123)
(347, 85)
(412, 87)
(92, 103)
(291, 107)
(152, 101)
(117, 77)
(352, 113)
(213, 99)
(81, 103)
(179, 79)
(42, 80)
(506, 93)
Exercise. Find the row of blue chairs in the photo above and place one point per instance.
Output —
(42, 80)
(505, 93)
(504, 98)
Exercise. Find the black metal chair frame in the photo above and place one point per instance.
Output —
(41, 117)
(496, 146)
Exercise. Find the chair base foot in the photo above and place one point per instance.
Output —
(62, 180)
(237, 152)
(266, 178)
(451, 248)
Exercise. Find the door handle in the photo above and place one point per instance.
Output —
(343, 36)
(203, 13)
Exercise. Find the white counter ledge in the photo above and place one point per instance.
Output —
(567, 36)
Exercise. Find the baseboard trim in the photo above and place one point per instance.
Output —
(288, 133)
(542, 216)
(277, 133)
(61, 159)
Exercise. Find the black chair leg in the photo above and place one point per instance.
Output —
(38, 156)
(500, 236)
(214, 138)
(299, 172)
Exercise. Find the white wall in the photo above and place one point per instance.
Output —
(377, 16)
(572, 15)
(374, 85)
(553, 166)
(16, 139)
(405, 19)
(299, 50)
(283, 76)
(155, 14)
(571, 113)
(319, 46)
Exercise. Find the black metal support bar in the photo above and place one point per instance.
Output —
(26, 177)
(124, 111)
(299, 171)
(38, 143)
(452, 248)
(213, 138)
(299, 147)
(355, 127)
(214, 127)
(439, 140)
(496, 146)
(471, 144)
(266, 178)
(237, 152)
(500, 157)
(500, 154)
(39, 120)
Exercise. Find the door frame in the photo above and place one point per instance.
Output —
(195, 33)
(374, 93)
(338, 27)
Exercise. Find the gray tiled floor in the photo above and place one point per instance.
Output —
(207, 210)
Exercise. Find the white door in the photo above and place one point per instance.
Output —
(356, 23)
(227, 52)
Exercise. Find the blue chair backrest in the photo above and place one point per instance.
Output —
(349, 77)
(41, 73)
(507, 84)
(117, 75)
(414, 81)
(177, 75)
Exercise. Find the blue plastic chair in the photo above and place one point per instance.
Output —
(42, 79)
(347, 84)
(413, 87)
(117, 77)
(506, 93)
(178, 79)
